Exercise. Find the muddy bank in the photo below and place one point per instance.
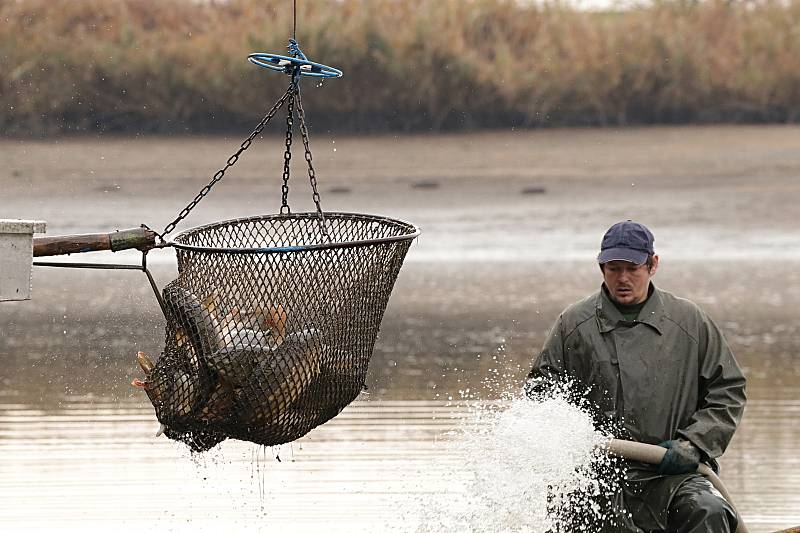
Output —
(720, 192)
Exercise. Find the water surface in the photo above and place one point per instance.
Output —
(492, 270)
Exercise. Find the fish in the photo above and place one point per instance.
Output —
(232, 365)
(236, 354)
(147, 366)
(209, 303)
(236, 363)
(249, 337)
(146, 363)
(277, 321)
(263, 326)
(220, 405)
(173, 394)
(278, 380)
(197, 328)
(259, 325)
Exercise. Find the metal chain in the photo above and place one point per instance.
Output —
(231, 161)
(287, 155)
(311, 175)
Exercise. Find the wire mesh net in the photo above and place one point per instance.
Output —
(271, 324)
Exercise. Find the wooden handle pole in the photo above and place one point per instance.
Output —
(139, 238)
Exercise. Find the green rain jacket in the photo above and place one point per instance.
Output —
(669, 374)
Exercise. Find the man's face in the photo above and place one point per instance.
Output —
(628, 282)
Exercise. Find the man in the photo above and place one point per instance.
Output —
(657, 367)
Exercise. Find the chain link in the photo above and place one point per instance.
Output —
(311, 174)
(231, 161)
(287, 155)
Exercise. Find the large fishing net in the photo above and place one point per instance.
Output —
(272, 319)
(271, 324)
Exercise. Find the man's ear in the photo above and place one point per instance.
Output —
(655, 265)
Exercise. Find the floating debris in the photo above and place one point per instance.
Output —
(533, 189)
(425, 184)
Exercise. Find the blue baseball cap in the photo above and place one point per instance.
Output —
(626, 241)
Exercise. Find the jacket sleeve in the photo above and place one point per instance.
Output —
(722, 394)
(548, 368)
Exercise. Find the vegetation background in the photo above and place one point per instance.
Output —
(179, 65)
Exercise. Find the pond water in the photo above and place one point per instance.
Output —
(496, 263)
(78, 447)
(95, 465)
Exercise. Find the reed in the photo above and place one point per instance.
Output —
(178, 65)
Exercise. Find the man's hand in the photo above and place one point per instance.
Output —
(682, 457)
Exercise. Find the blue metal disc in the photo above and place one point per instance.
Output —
(288, 64)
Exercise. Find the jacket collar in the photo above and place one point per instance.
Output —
(609, 318)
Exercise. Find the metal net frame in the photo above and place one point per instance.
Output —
(271, 323)
(272, 319)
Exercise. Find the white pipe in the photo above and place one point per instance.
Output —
(652, 454)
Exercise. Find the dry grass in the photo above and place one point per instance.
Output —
(409, 64)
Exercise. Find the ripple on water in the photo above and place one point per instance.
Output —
(91, 465)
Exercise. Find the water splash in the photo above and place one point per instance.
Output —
(525, 465)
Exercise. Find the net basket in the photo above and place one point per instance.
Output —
(271, 323)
